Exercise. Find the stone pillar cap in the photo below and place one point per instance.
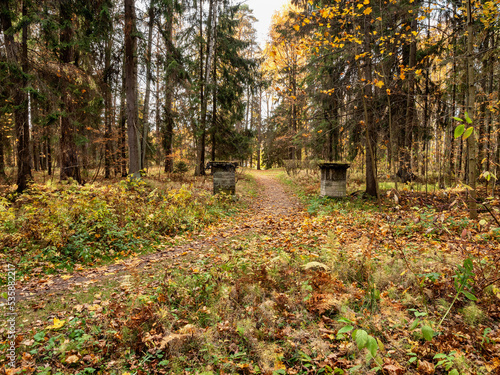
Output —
(334, 165)
(222, 164)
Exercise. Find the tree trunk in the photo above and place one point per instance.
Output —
(168, 130)
(259, 129)
(471, 141)
(214, 110)
(200, 149)
(19, 57)
(145, 115)
(131, 88)
(107, 110)
(489, 115)
(2, 153)
(450, 131)
(69, 160)
(123, 121)
(158, 107)
(371, 165)
(205, 80)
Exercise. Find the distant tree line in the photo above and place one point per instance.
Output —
(117, 85)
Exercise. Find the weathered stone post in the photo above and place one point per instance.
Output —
(333, 179)
(224, 175)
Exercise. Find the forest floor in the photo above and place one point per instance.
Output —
(273, 202)
(290, 283)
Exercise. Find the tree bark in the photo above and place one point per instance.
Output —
(131, 88)
(122, 128)
(107, 109)
(205, 80)
(17, 56)
(145, 115)
(371, 165)
(168, 130)
(214, 111)
(471, 141)
(259, 129)
(69, 160)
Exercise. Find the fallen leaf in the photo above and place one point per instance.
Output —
(57, 324)
(72, 359)
(394, 369)
(425, 368)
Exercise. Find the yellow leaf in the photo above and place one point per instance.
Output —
(66, 277)
(388, 92)
(296, 27)
(72, 359)
(360, 6)
(402, 76)
(418, 72)
(379, 84)
(278, 365)
(367, 11)
(366, 2)
(57, 324)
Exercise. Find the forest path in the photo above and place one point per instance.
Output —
(273, 204)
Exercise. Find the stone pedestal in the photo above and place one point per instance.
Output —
(224, 175)
(333, 179)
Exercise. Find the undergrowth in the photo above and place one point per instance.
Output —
(59, 226)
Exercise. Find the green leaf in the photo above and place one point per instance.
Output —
(345, 329)
(469, 295)
(440, 355)
(414, 324)
(412, 359)
(427, 332)
(39, 336)
(380, 344)
(361, 338)
(419, 314)
(458, 119)
(468, 265)
(459, 130)
(344, 320)
(372, 346)
(468, 132)
(467, 118)
(454, 372)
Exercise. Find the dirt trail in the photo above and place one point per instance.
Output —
(275, 200)
(272, 203)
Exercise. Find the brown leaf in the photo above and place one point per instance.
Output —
(173, 341)
(425, 368)
(394, 369)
